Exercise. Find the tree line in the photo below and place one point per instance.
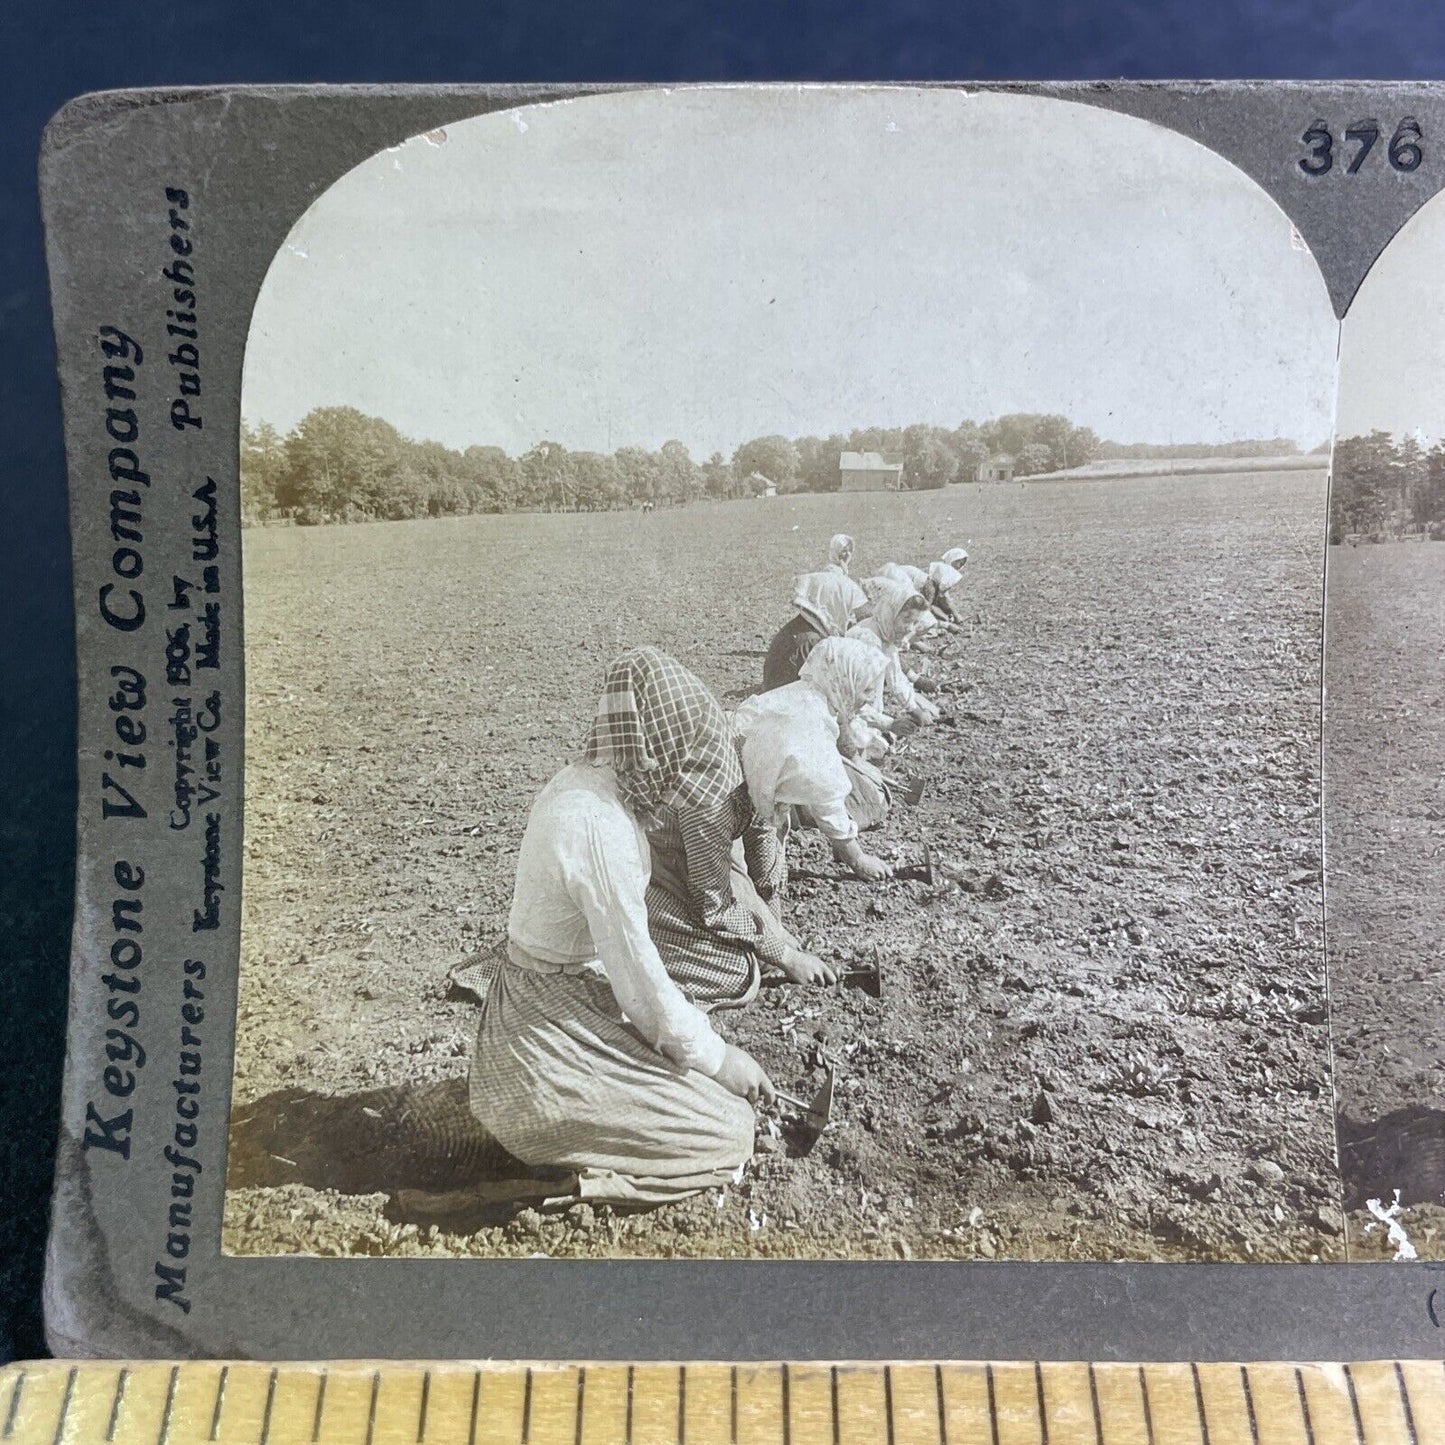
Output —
(339, 465)
(1385, 486)
(1191, 451)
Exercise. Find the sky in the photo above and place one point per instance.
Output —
(718, 264)
(1392, 343)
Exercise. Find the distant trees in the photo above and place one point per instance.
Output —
(1384, 486)
(1033, 458)
(774, 457)
(718, 477)
(929, 460)
(1182, 451)
(1039, 442)
(338, 465)
(263, 463)
(679, 479)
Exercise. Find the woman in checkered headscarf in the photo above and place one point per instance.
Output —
(663, 733)
(589, 1058)
(713, 903)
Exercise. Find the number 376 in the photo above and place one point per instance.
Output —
(1404, 150)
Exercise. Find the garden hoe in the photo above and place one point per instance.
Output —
(865, 976)
(908, 786)
(917, 872)
(812, 1118)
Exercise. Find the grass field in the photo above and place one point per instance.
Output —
(1107, 1038)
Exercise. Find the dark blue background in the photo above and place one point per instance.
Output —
(54, 49)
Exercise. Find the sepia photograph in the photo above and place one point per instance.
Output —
(1384, 753)
(783, 678)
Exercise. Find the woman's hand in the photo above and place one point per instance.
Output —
(866, 866)
(804, 967)
(741, 1074)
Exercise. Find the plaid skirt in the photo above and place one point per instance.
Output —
(711, 970)
(562, 1080)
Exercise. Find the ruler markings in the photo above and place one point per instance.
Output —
(1249, 1403)
(1107, 1407)
(220, 1401)
(421, 1410)
(1260, 1403)
(371, 1406)
(115, 1403)
(65, 1403)
(1274, 1399)
(1332, 1414)
(320, 1406)
(270, 1404)
(1094, 1405)
(1405, 1402)
(1355, 1406)
(1304, 1405)
(165, 1429)
(1427, 1399)
(1199, 1403)
(1144, 1396)
(14, 1409)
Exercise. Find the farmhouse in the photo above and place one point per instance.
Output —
(997, 468)
(868, 472)
(760, 485)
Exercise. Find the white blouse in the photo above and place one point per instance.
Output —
(581, 898)
(790, 757)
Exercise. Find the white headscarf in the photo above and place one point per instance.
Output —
(847, 672)
(890, 599)
(944, 575)
(840, 543)
(830, 600)
(913, 577)
(955, 556)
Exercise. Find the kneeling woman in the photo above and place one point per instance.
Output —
(826, 605)
(840, 552)
(588, 1057)
(897, 612)
(790, 746)
(714, 905)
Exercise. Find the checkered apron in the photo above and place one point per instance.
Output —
(719, 966)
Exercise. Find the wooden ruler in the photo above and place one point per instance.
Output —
(1378, 1403)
